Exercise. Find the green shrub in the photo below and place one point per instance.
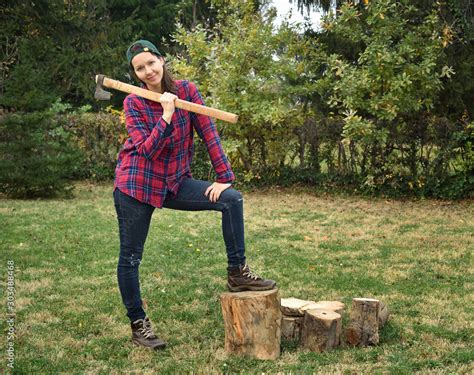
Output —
(37, 157)
(201, 166)
(99, 136)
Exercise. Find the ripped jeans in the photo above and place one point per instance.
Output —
(134, 221)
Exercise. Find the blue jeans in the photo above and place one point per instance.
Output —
(134, 221)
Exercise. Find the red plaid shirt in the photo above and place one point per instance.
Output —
(157, 156)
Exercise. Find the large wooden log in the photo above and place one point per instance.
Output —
(321, 330)
(363, 328)
(252, 323)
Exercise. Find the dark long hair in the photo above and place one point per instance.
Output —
(167, 81)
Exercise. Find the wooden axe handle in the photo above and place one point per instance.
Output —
(179, 103)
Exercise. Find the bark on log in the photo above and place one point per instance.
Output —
(363, 328)
(384, 313)
(252, 323)
(321, 330)
(291, 327)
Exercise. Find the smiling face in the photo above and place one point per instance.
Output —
(149, 69)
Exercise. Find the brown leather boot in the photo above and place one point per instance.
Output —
(142, 334)
(240, 279)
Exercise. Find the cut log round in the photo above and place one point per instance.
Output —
(363, 328)
(335, 306)
(321, 330)
(293, 306)
(252, 323)
(297, 307)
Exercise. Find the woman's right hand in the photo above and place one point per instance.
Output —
(167, 101)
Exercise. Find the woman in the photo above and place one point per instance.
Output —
(153, 171)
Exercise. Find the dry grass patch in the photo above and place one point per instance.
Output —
(22, 303)
(28, 287)
(43, 317)
(140, 356)
(76, 306)
(73, 343)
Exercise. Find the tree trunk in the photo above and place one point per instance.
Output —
(252, 323)
(301, 146)
(194, 14)
(363, 164)
(353, 154)
(263, 150)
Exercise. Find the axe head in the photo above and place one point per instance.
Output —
(100, 93)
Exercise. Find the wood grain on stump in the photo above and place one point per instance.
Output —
(291, 327)
(293, 306)
(363, 328)
(297, 307)
(335, 306)
(321, 330)
(252, 323)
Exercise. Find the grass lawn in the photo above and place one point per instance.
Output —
(416, 256)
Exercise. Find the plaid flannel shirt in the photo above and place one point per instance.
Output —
(157, 155)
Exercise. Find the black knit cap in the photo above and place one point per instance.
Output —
(141, 46)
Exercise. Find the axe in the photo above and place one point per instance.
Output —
(101, 94)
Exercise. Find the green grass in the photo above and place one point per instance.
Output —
(416, 256)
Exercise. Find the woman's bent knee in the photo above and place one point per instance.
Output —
(231, 196)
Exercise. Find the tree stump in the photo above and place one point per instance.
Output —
(363, 328)
(321, 330)
(291, 327)
(252, 323)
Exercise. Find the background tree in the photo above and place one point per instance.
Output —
(52, 49)
(247, 67)
(60, 46)
(458, 30)
(389, 96)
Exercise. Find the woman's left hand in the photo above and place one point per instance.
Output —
(214, 191)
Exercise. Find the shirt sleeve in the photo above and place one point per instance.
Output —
(207, 131)
(148, 144)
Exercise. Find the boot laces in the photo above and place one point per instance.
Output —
(146, 329)
(250, 274)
